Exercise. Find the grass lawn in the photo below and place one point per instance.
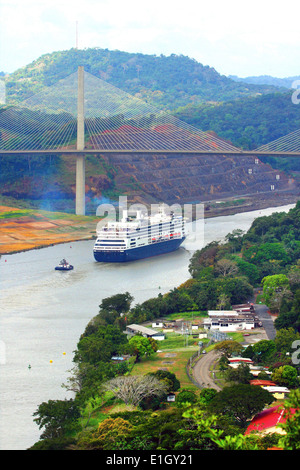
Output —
(187, 316)
(173, 355)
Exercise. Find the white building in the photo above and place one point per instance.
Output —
(157, 324)
(278, 392)
(144, 331)
(222, 313)
(230, 323)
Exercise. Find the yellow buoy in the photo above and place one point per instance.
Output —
(50, 361)
(64, 353)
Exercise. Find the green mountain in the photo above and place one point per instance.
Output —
(165, 81)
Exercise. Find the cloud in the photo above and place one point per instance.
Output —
(231, 36)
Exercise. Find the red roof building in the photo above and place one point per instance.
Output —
(262, 383)
(267, 421)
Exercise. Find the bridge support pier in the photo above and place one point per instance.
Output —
(80, 161)
(80, 184)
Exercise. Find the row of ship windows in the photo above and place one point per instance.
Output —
(153, 235)
(164, 226)
(133, 242)
(141, 232)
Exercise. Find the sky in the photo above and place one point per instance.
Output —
(259, 37)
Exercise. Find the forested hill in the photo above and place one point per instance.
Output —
(165, 81)
(249, 122)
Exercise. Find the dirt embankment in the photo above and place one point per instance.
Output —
(23, 229)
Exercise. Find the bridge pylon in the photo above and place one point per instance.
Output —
(80, 158)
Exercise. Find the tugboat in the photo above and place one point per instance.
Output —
(64, 266)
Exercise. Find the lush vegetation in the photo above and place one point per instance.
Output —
(266, 256)
(162, 80)
(249, 122)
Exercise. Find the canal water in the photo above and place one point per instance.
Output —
(43, 313)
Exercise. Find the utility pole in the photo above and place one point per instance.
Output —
(80, 160)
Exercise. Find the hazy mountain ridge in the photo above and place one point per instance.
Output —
(267, 80)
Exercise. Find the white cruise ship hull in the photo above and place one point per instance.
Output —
(133, 254)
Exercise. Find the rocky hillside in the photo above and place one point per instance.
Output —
(195, 178)
(149, 178)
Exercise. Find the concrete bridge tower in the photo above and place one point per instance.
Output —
(80, 159)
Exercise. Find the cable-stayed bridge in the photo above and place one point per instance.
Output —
(82, 114)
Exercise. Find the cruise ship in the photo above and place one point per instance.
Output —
(137, 237)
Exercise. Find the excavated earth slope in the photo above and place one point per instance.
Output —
(177, 178)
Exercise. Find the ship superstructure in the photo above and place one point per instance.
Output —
(139, 236)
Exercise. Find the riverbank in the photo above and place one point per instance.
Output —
(248, 203)
(28, 229)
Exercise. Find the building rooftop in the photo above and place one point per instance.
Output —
(142, 329)
(267, 419)
(262, 383)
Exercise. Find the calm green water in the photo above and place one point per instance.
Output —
(43, 312)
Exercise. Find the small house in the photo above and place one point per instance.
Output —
(157, 324)
(278, 392)
(171, 397)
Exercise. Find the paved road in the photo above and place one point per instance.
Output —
(267, 322)
(202, 370)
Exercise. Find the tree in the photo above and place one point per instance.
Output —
(235, 239)
(240, 375)
(57, 417)
(93, 349)
(203, 258)
(269, 252)
(133, 389)
(249, 270)
(241, 402)
(237, 289)
(228, 347)
(206, 395)
(110, 431)
(141, 346)
(118, 302)
(285, 375)
(291, 440)
(226, 267)
(100, 345)
(109, 434)
(284, 340)
(185, 396)
(90, 406)
(169, 378)
(223, 302)
(263, 350)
